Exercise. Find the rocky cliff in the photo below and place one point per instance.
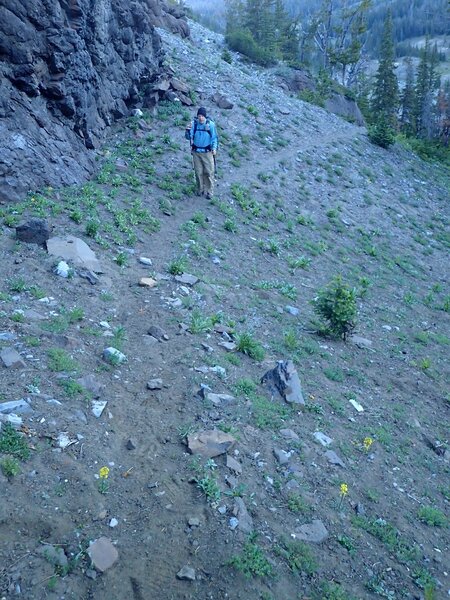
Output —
(68, 69)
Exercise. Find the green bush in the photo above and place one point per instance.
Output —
(241, 40)
(381, 133)
(336, 304)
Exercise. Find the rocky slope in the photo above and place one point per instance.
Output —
(343, 497)
(68, 70)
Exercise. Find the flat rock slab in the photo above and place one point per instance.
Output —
(186, 279)
(11, 359)
(155, 384)
(148, 282)
(233, 465)
(103, 554)
(220, 399)
(17, 407)
(314, 532)
(186, 573)
(210, 443)
(361, 342)
(333, 458)
(288, 434)
(76, 250)
(322, 439)
(284, 379)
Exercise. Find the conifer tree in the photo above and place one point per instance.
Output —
(385, 94)
(407, 101)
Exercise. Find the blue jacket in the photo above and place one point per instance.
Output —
(203, 138)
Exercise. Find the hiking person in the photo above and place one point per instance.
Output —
(202, 135)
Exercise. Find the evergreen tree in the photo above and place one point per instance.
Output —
(407, 101)
(427, 83)
(385, 94)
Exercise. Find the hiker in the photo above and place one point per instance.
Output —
(202, 134)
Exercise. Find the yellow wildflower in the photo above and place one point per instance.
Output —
(344, 489)
(367, 443)
(104, 472)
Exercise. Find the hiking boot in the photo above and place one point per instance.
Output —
(209, 195)
(199, 193)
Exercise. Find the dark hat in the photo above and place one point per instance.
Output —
(201, 111)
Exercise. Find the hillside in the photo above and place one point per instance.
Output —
(344, 497)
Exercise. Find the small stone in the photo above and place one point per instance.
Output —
(145, 261)
(282, 456)
(194, 522)
(12, 359)
(131, 444)
(234, 465)
(361, 342)
(314, 532)
(154, 384)
(186, 279)
(103, 554)
(220, 399)
(222, 510)
(323, 439)
(233, 523)
(356, 405)
(113, 523)
(148, 282)
(156, 332)
(98, 406)
(186, 573)
(210, 443)
(114, 356)
(228, 346)
(333, 458)
(62, 269)
(288, 434)
(292, 310)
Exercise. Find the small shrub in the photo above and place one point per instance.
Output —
(13, 443)
(432, 516)
(381, 134)
(298, 556)
(10, 467)
(247, 345)
(177, 266)
(252, 561)
(337, 305)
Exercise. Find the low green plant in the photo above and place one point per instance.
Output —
(177, 266)
(199, 323)
(10, 466)
(13, 443)
(432, 516)
(246, 344)
(297, 504)
(336, 304)
(60, 361)
(298, 556)
(121, 259)
(252, 561)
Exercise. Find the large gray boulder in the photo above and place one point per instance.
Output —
(68, 69)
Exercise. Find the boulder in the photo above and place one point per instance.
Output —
(284, 379)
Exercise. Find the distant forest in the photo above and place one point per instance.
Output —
(411, 18)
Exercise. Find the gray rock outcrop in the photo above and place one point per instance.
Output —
(68, 69)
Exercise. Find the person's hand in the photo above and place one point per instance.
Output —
(214, 152)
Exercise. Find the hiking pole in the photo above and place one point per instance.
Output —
(215, 165)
